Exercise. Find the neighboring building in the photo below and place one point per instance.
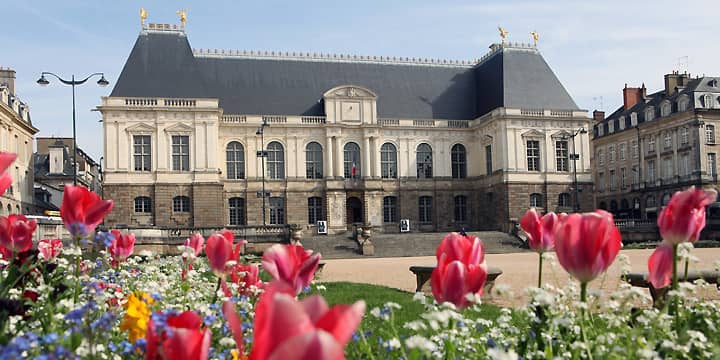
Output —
(16, 135)
(350, 139)
(54, 170)
(657, 144)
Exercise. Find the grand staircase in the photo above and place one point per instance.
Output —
(407, 244)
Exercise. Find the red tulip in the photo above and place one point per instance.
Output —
(82, 210)
(245, 276)
(291, 264)
(6, 159)
(540, 230)
(660, 266)
(16, 232)
(586, 244)
(182, 338)
(195, 242)
(460, 270)
(288, 329)
(122, 246)
(684, 216)
(50, 249)
(219, 250)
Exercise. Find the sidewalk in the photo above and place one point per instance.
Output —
(519, 271)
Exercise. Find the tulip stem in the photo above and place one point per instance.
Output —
(217, 288)
(583, 292)
(540, 270)
(687, 266)
(674, 275)
(78, 262)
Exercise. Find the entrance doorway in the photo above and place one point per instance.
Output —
(354, 210)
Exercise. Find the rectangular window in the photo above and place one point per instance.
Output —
(709, 134)
(651, 144)
(622, 152)
(684, 164)
(460, 209)
(611, 153)
(181, 204)
(601, 182)
(668, 140)
(533, 155)
(277, 211)
(668, 168)
(683, 136)
(623, 181)
(425, 210)
(636, 175)
(651, 171)
(635, 152)
(561, 155)
(601, 158)
(390, 213)
(612, 180)
(141, 152)
(712, 165)
(181, 153)
(237, 211)
(315, 210)
(488, 160)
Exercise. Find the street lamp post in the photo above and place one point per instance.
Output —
(575, 157)
(72, 82)
(262, 154)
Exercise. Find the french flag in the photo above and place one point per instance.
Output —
(353, 172)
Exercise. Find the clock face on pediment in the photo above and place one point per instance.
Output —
(350, 110)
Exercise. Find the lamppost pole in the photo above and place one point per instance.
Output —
(44, 82)
(263, 154)
(575, 157)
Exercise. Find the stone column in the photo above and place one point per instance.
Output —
(339, 157)
(365, 168)
(329, 157)
(376, 157)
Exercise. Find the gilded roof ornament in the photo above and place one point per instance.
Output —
(183, 17)
(143, 16)
(503, 34)
(536, 36)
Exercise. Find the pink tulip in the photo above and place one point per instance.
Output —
(660, 266)
(288, 329)
(183, 338)
(219, 250)
(195, 242)
(16, 232)
(6, 159)
(586, 244)
(291, 264)
(460, 270)
(684, 216)
(50, 249)
(82, 210)
(246, 276)
(540, 230)
(122, 246)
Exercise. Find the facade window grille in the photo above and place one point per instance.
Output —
(277, 211)
(237, 211)
(425, 209)
(181, 152)
(459, 161)
(710, 134)
(561, 155)
(315, 209)
(141, 152)
(460, 208)
(390, 210)
(536, 200)
(424, 162)
(313, 161)
(533, 155)
(388, 161)
(275, 160)
(143, 204)
(181, 204)
(352, 160)
(235, 161)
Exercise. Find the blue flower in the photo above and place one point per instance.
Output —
(104, 239)
(77, 230)
(491, 343)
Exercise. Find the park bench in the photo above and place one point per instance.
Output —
(659, 296)
(423, 273)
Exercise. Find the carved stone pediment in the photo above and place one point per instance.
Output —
(140, 128)
(561, 135)
(179, 128)
(533, 134)
(349, 92)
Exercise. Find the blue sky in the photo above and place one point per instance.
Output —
(593, 47)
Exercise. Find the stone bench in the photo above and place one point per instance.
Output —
(640, 279)
(423, 273)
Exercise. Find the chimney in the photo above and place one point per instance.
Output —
(56, 153)
(672, 81)
(632, 96)
(598, 115)
(7, 78)
(683, 79)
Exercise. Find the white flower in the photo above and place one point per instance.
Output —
(499, 354)
(227, 342)
(419, 296)
(420, 343)
(393, 305)
(393, 344)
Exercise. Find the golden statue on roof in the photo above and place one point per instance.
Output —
(183, 17)
(535, 37)
(503, 34)
(143, 16)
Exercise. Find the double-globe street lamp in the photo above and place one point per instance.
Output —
(262, 154)
(575, 157)
(72, 82)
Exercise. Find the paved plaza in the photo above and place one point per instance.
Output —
(519, 271)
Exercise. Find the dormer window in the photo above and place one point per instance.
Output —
(611, 126)
(683, 104)
(621, 124)
(713, 83)
(649, 113)
(665, 109)
(633, 119)
(708, 101)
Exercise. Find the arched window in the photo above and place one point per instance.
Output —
(276, 160)
(352, 160)
(388, 161)
(237, 211)
(707, 101)
(460, 208)
(613, 206)
(424, 161)
(665, 199)
(536, 200)
(665, 109)
(425, 209)
(181, 204)
(564, 200)
(602, 206)
(235, 161)
(459, 161)
(649, 113)
(315, 208)
(683, 104)
(143, 204)
(624, 204)
(390, 211)
(313, 161)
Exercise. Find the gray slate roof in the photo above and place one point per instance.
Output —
(163, 65)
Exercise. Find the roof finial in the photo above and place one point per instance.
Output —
(503, 34)
(143, 16)
(535, 37)
(183, 17)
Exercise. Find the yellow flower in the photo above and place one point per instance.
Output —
(137, 316)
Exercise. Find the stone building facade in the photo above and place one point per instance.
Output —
(656, 144)
(16, 135)
(346, 139)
